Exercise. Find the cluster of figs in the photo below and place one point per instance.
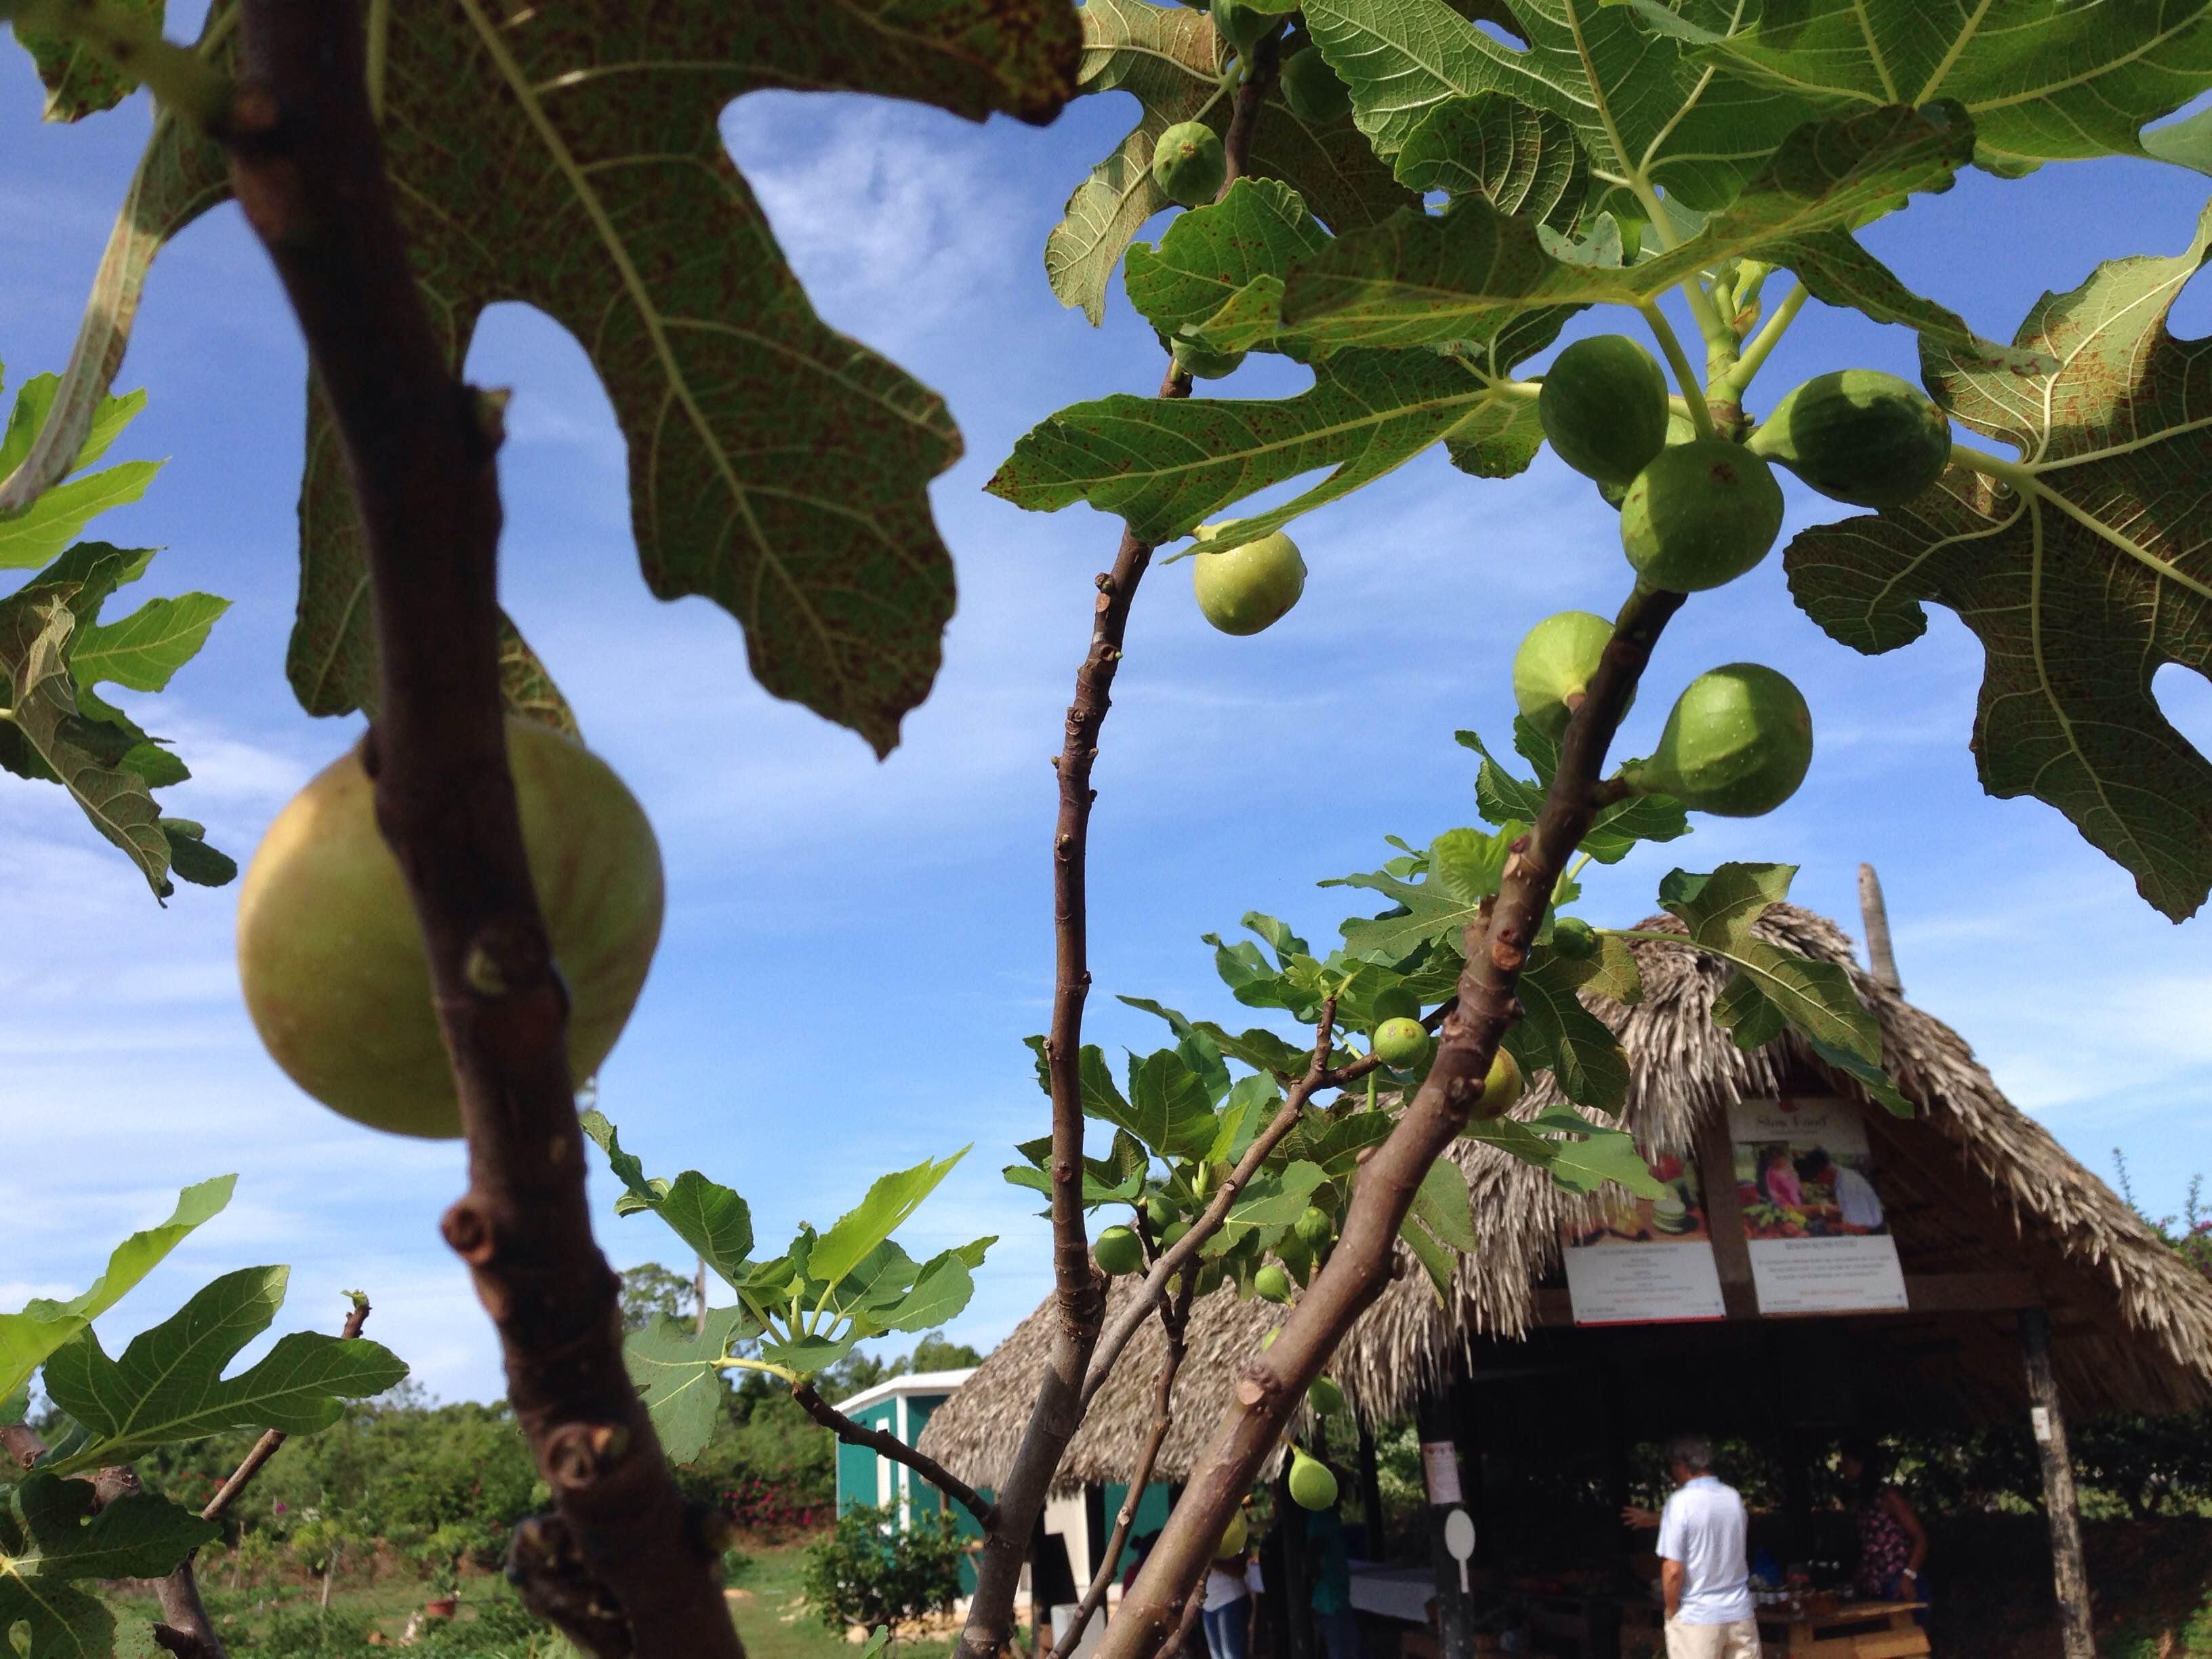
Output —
(1696, 512)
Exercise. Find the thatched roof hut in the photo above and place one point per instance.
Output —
(1990, 1214)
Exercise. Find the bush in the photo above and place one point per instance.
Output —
(870, 1571)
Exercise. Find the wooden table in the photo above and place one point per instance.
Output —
(1837, 1630)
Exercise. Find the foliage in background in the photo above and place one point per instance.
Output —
(871, 1571)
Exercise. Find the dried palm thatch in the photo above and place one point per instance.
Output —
(1971, 1184)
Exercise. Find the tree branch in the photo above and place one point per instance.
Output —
(1175, 1324)
(1153, 1292)
(266, 1448)
(1061, 1400)
(889, 1445)
(1360, 1267)
(625, 1566)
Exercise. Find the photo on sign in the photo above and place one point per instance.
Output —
(1802, 1188)
(1677, 1216)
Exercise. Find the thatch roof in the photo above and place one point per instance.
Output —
(1971, 1185)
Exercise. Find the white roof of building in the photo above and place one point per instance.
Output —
(915, 1382)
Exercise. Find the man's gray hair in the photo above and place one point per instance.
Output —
(1693, 1451)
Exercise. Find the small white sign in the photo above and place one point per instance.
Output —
(2038, 1418)
(1645, 1283)
(1440, 1468)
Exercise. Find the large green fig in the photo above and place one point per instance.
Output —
(1189, 164)
(1314, 91)
(1604, 407)
(1325, 1396)
(1737, 744)
(1858, 436)
(1118, 1251)
(1313, 1483)
(1401, 1042)
(1502, 1084)
(1202, 362)
(1554, 664)
(1272, 1283)
(1314, 1227)
(1701, 515)
(1240, 24)
(1250, 587)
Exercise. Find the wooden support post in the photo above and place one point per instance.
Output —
(2059, 1501)
(1371, 1497)
(1881, 959)
(1454, 1612)
(1716, 1155)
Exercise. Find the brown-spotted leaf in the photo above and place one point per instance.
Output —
(568, 157)
(2082, 570)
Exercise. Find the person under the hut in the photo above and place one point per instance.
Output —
(1893, 1544)
(1328, 1570)
(1704, 1575)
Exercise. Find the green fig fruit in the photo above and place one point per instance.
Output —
(1858, 436)
(1313, 1483)
(1118, 1251)
(1250, 587)
(1234, 1537)
(1172, 1234)
(1604, 407)
(1554, 666)
(1574, 939)
(1701, 515)
(1314, 92)
(1503, 1086)
(1401, 1042)
(1272, 1283)
(1188, 163)
(1202, 362)
(1314, 1227)
(1160, 1213)
(1240, 24)
(1737, 744)
(1325, 1397)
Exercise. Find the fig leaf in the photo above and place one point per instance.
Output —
(2081, 573)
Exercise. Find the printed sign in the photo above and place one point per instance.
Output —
(1818, 1234)
(1645, 1261)
(1440, 1468)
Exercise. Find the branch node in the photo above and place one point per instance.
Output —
(577, 1454)
(1507, 957)
(469, 1230)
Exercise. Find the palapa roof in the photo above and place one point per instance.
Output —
(1971, 1184)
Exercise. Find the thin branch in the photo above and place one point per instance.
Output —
(1062, 1397)
(266, 1448)
(1358, 1269)
(1153, 1293)
(889, 1445)
(625, 1565)
(1174, 1323)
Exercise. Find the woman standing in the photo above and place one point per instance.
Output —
(1893, 1544)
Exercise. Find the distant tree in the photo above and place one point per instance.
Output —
(650, 1291)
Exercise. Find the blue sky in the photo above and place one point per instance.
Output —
(855, 950)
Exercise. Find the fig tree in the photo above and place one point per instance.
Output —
(1701, 515)
(1118, 1251)
(1272, 1283)
(1250, 587)
(1313, 1483)
(331, 957)
(1401, 1042)
(1188, 163)
(1604, 407)
(1858, 436)
(1314, 91)
(1737, 744)
(1554, 666)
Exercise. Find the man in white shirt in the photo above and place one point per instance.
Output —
(1704, 1575)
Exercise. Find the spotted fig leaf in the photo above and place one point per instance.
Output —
(1170, 59)
(1425, 280)
(51, 1542)
(168, 1386)
(2045, 80)
(678, 1369)
(1232, 254)
(1166, 465)
(1523, 161)
(1631, 91)
(2081, 571)
(28, 1336)
(1770, 985)
(79, 81)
